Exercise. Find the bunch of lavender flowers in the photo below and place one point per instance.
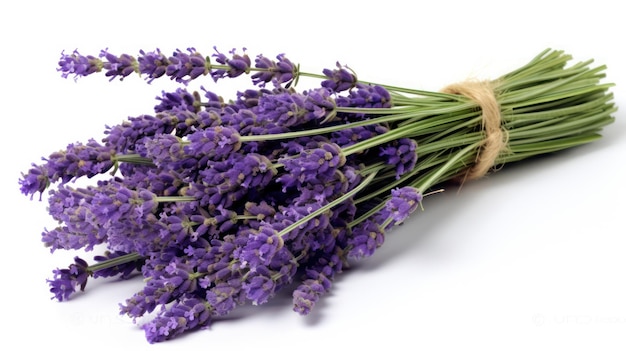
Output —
(218, 203)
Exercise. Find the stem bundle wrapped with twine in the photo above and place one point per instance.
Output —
(222, 203)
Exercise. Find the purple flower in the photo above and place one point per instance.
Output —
(306, 295)
(237, 64)
(121, 66)
(366, 237)
(185, 314)
(402, 154)
(225, 296)
(312, 164)
(216, 143)
(281, 71)
(224, 182)
(288, 109)
(123, 137)
(179, 100)
(261, 247)
(76, 161)
(158, 181)
(365, 96)
(402, 203)
(165, 151)
(211, 224)
(259, 287)
(78, 65)
(339, 79)
(172, 283)
(153, 64)
(184, 67)
(116, 203)
(80, 226)
(36, 180)
(66, 280)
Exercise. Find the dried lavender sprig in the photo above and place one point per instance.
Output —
(67, 280)
(181, 66)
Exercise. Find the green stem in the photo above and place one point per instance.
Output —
(113, 262)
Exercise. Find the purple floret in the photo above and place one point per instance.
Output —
(67, 280)
(216, 143)
(153, 64)
(312, 164)
(78, 65)
(188, 313)
(402, 154)
(184, 67)
(280, 71)
(35, 181)
(402, 203)
(121, 66)
(238, 64)
(339, 79)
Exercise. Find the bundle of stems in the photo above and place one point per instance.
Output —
(222, 203)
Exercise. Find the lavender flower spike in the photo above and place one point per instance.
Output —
(402, 203)
(36, 180)
(185, 314)
(215, 142)
(66, 280)
(313, 164)
(78, 65)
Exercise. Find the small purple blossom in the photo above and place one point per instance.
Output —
(351, 136)
(179, 100)
(121, 66)
(280, 71)
(175, 279)
(67, 280)
(76, 161)
(153, 64)
(365, 96)
(366, 237)
(318, 163)
(308, 293)
(36, 180)
(238, 64)
(184, 67)
(124, 137)
(225, 182)
(225, 296)
(164, 150)
(261, 247)
(78, 65)
(402, 154)
(259, 287)
(402, 203)
(339, 79)
(216, 143)
(288, 109)
(185, 314)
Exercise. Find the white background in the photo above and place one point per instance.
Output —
(530, 258)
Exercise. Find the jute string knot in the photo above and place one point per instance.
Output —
(496, 138)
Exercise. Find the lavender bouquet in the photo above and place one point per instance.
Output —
(217, 203)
